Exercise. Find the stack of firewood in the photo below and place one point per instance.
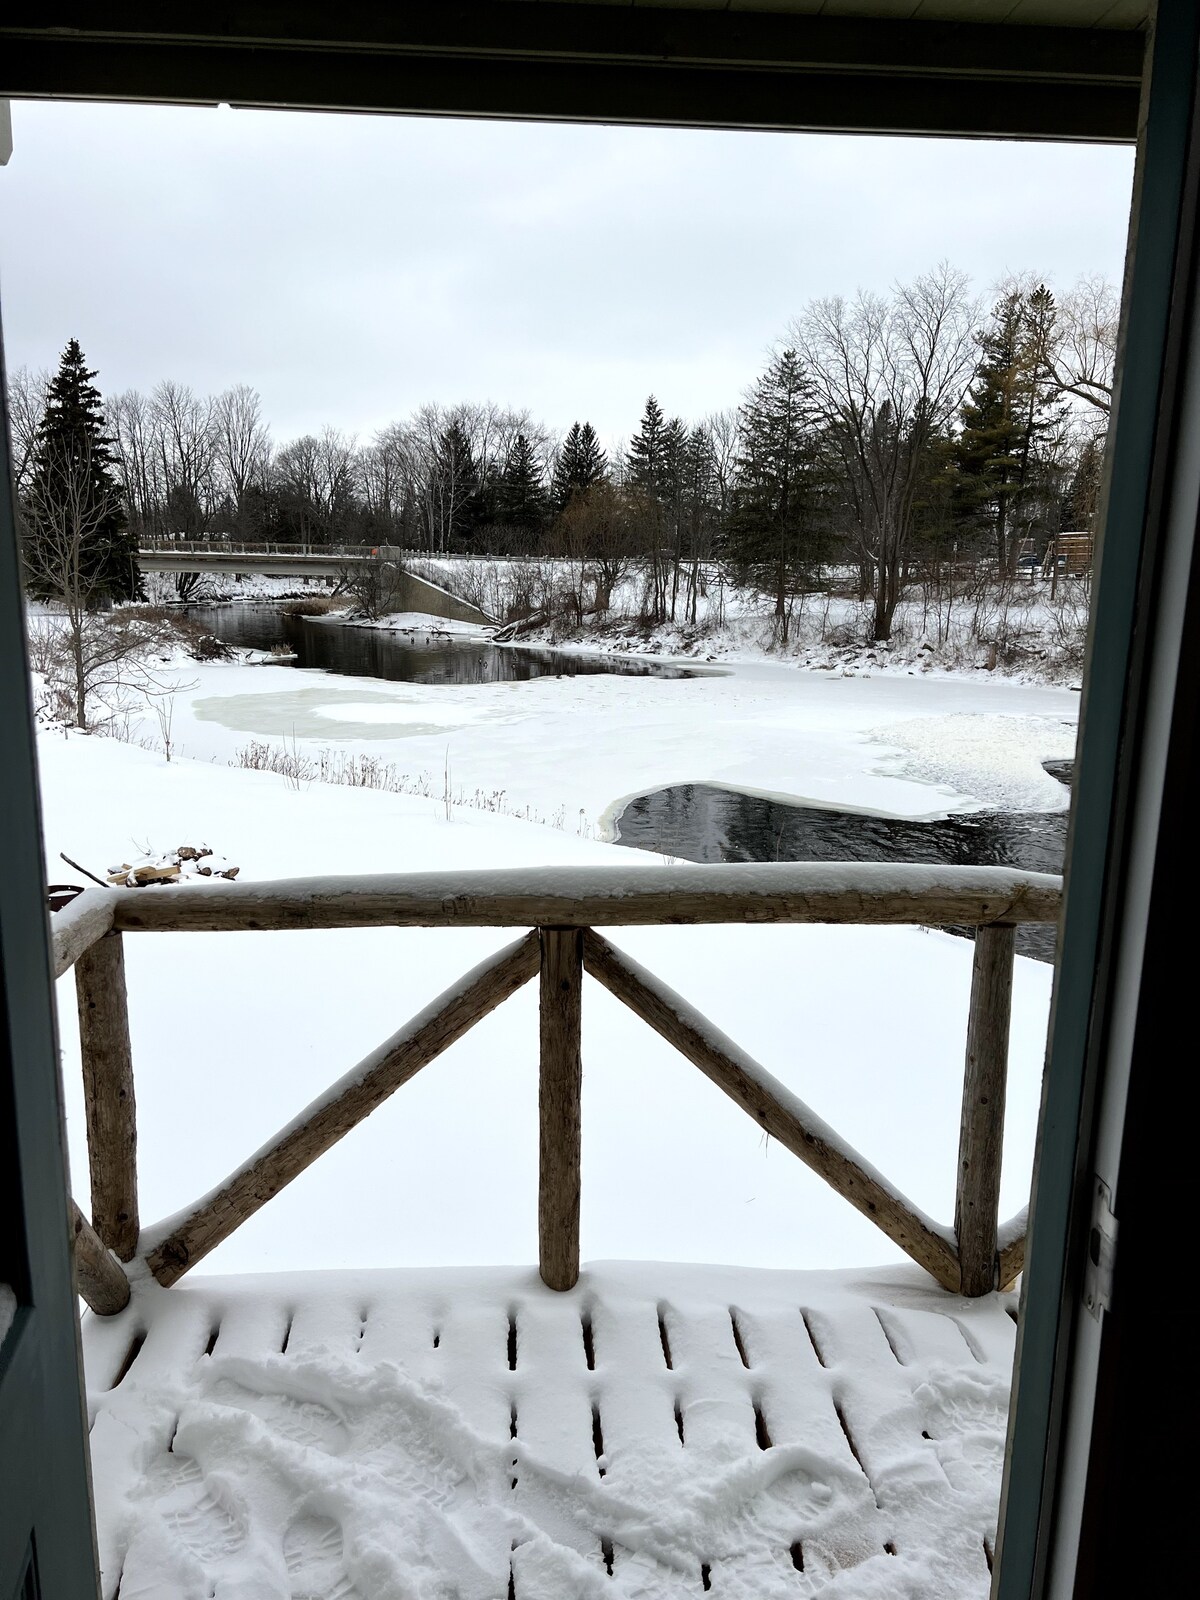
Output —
(189, 860)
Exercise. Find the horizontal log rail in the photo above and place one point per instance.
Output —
(561, 907)
(587, 897)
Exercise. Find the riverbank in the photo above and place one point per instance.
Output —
(1028, 631)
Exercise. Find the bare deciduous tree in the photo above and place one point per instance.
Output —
(1084, 354)
(26, 402)
(185, 444)
(82, 648)
(241, 447)
(134, 433)
(594, 534)
(722, 428)
(319, 475)
(372, 584)
(887, 377)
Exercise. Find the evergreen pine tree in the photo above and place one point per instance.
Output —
(674, 470)
(77, 544)
(521, 490)
(699, 510)
(592, 464)
(655, 474)
(646, 463)
(580, 463)
(1038, 506)
(1008, 413)
(1083, 492)
(455, 487)
(771, 526)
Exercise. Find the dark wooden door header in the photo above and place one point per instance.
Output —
(685, 66)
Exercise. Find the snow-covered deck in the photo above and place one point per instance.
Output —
(477, 1434)
(660, 1430)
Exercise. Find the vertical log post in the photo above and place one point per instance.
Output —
(559, 1106)
(981, 1136)
(108, 1093)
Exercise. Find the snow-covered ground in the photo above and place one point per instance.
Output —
(234, 1033)
(161, 588)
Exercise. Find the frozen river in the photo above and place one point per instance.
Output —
(693, 820)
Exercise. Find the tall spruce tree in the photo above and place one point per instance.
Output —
(77, 545)
(1009, 414)
(454, 489)
(521, 489)
(580, 463)
(646, 462)
(772, 524)
(699, 511)
(656, 474)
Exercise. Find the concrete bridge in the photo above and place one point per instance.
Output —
(267, 560)
(410, 593)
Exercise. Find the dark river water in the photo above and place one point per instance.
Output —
(695, 821)
(406, 657)
(700, 822)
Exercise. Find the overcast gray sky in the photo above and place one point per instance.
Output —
(350, 268)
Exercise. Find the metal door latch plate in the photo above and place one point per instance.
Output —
(1102, 1251)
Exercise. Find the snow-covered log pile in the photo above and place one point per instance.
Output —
(187, 861)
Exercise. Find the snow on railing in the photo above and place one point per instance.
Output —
(562, 907)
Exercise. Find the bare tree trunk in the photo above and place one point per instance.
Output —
(887, 591)
(80, 672)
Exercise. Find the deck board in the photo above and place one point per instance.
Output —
(436, 1433)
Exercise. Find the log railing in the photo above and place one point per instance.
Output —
(561, 908)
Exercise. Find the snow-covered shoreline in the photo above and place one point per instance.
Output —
(1028, 632)
(1024, 632)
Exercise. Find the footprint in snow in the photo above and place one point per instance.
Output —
(315, 1560)
(170, 1471)
(966, 1415)
(304, 1422)
(207, 1529)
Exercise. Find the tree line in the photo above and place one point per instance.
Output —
(885, 432)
